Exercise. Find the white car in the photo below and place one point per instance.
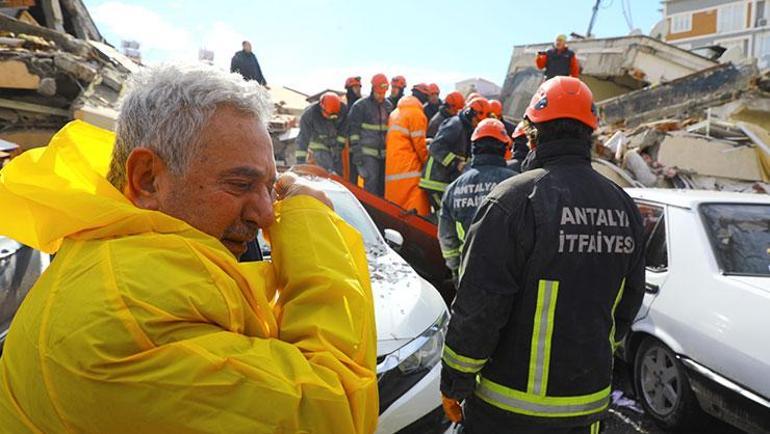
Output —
(411, 318)
(700, 340)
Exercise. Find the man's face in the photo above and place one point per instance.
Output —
(433, 98)
(227, 191)
(379, 97)
(247, 47)
(394, 91)
(356, 90)
(560, 43)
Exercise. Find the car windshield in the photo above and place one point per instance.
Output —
(740, 237)
(351, 211)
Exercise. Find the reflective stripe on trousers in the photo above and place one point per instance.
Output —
(372, 152)
(374, 127)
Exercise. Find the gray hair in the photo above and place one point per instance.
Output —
(167, 106)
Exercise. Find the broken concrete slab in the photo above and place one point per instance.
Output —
(14, 74)
(686, 96)
(102, 117)
(28, 139)
(709, 157)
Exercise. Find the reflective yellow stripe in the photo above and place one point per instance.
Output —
(374, 127)
(372, 152)
(299, 153)
(355, 137)
(542, 331)
(460, 231)
(448, 159)
(595, 428)
(462, 363)
(315, 146)
(400, 176)
(433, 185)
(400, 129)
(613, 343)
(450, 253)
(341, 139)
(529, 404)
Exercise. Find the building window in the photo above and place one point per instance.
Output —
(741, 43)
(731, 17)
(762, 51)
(681, 23)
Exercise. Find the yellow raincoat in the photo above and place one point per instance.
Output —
(143, 324)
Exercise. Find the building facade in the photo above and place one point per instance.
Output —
(744, 24)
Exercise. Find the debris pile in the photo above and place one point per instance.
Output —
(49, 77)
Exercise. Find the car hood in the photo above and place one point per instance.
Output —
(405, 305)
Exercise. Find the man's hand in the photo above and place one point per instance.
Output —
(289, 185)
(452, 409)
(461, 165)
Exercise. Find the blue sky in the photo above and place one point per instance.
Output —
(313, 44)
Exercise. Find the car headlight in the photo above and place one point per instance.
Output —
(405, 367)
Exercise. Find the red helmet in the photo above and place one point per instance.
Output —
(398, 81)
(379, 83)
(455, 101)
(491, 128)
(473, 95)
(477, 108)
(433, 89)
(563, 97)
(352, 81)
(422, 87)
(496, 108)
(519, 131)
(330, 105)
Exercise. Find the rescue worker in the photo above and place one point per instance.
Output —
(520, 147)
(145, 322)
(461, 198)
(449, 149)
(552, 276)
(321, 133)
(352, 94)
(367, 126)
(558, 60)
(422, 92)
(453, 103)
(405, 156)
(496, 111)
(245, 63)
(431, 107)
(397, 86)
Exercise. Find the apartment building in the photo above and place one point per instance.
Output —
(730, 23)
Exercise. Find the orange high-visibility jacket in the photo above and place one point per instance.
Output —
(406, 155)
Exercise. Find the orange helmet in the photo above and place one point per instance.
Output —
(330, 105)
(352, 81)
(379, 83)
(519, 131)
(455, 101)
(477, 108)
(398, 81)
(563, 97)
(433, 89)
(473, 95)
(491, 128)
(496, 108)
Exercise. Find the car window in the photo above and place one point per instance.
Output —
(740, 237)
(654, 220)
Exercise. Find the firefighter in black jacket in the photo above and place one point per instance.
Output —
(367, 126)
(321, 133)
(552, 275)
(488, 142)
(450, 148)
(453, 103)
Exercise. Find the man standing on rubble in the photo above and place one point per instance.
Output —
(558, 60)
(245, 63)
(321, 133)
(145, 322)
(367, 126)
(552, 275)
(453, 103)
(449, 149)
(463, 196)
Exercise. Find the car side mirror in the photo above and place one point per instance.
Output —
(394, 239)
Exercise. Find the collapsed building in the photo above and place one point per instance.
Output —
(670, 118)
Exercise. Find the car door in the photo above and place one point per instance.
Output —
(656, 252)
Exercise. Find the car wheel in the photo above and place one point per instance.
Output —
(663, 388)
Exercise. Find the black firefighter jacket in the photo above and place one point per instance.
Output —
(552, 275)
